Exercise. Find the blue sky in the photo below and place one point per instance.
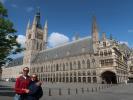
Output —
(68, 17)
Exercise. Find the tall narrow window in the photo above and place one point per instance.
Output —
(88, 63)
(79, 65)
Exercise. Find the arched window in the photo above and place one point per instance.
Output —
(79, 65)
(110, 52)
(101, 53)
(63, 67)
(70, 65)
(94, 72)
(88, 73)
(83, 64)
(74, 65)
(105, 52)
(57, 67)
(88, 63)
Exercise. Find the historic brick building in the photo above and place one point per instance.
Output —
(88, 60)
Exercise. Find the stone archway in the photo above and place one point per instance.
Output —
(109, 77)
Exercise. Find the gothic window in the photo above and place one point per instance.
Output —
(79, 74)
(84, 73)
(83, 63)
(63, 67)
(70, 65)
(66, 66)
(79, 65)
(88, 73)
(74, 65)
(66, 74)
(51, 67)
(57, 67)
(110, 52)
(42, 69)
(88, 63)
(94, 79)
(74, 73)
(101, 53)
(94, 72)
(105, 52)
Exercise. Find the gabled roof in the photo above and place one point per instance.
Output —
(76, 47)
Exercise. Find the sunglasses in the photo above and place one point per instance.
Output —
(25, 70)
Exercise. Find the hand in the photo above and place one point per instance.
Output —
(27, 91)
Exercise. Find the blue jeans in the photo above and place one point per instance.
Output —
(17, 97)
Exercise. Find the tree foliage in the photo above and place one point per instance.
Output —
(8, 42)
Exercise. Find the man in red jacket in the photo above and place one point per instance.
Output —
(22, 83)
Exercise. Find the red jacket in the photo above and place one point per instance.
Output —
(22, 83)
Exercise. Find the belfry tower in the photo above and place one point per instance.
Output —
(36, 38)
(95, 37)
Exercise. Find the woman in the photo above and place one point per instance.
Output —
(35, 89)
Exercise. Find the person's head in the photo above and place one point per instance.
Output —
(34, 77)
(25, 71)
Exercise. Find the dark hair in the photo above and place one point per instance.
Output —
(36, 77)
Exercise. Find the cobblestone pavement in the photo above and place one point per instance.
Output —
(61, 91)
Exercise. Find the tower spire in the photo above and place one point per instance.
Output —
(36, 21)
(28, 25)
(94, 30)
(45, 35)
(46, 24)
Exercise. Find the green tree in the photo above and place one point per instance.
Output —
(8, 43)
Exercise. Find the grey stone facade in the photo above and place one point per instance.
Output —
(88, 60)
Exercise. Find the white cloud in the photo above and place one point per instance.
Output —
(29, 9)
(21, 39)
(130, 31)
(14, 56)
(56, 39)
(124, 42)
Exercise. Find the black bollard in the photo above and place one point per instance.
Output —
(50, 92)
(92, 90)
(68, 91)
(87, 89)
(99, 88)
(76, 91)
(60, 91)
(82, 90)
(96, 89)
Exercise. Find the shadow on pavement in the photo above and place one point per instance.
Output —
(10, 94)
(6, 91)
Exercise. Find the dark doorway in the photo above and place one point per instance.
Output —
(109, 77)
